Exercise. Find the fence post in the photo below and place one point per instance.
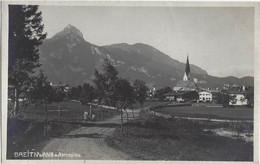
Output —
(121, 119)
(59, 109)
(90, 110)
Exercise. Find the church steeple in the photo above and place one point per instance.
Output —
(187, 74)
(187, 69)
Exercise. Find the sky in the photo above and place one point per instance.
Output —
(220, 40)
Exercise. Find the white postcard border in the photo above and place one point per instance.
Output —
(4, 66)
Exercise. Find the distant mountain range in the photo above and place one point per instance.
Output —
(68, 58)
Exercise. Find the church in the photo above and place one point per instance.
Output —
(186, 89)
(187, 84)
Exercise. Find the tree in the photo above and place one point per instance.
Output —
(250, 98)
(99, 82)
(88, 94)
(79, 90)
(75, 93)
(218, 98)
(124, 92)
(140, 91)
(110, 76)
(110, 72)
(160, 93)
(104, 81)
(25, 36)
(41, 92)
(226, 99)
(124, 96)
(59, 93)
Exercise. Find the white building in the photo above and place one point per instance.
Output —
(238, 95)
(238, 99)
(205, 96)
(169, 97)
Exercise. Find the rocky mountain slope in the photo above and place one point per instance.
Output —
(68, 58)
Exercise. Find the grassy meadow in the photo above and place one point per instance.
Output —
(177, 138)
(181, 139)
(241, 113)
(69, 111)
(28, 134)
(155, 138)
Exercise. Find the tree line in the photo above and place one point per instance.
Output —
(110, 89)
(25, 36)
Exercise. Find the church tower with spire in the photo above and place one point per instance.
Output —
(187, 74)
(187, 83)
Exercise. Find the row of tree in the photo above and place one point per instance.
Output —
(110, 89)
(25, 36)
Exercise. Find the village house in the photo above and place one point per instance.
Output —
(182, 96)
(239, 95)
(151, 92)
(186, 89)
(205, 96)
(237, 99)
(170, 96)
(65, 87)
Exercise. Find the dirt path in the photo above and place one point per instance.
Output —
(89, 142)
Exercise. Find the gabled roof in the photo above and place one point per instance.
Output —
(186, 85)
(174, 93)
(205, 91)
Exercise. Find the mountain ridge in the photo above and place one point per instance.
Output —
(68, 58)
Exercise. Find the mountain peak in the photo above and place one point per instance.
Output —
(70, 30)
(70, 26)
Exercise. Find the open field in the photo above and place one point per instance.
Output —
(209, 112)
(27, 134)
(72, 110)
(150, 103)
(69, 110)
(179, 139)
(152, 139)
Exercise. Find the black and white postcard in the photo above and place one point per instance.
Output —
(98, 82)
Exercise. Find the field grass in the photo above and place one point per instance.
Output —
(150, 103)
(179, 139)
(27, 134)
(153, 139)
(69, 111)
(209, 112)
